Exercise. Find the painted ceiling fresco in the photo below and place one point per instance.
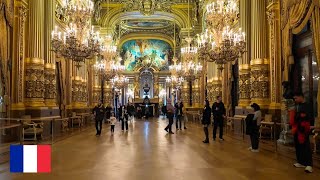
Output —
(150, 24)
(138, 53)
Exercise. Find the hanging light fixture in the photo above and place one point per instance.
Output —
(120, 82)
(79, 42)
(190, 69)
(221, 43)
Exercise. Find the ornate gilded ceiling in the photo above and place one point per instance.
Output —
(154, 19)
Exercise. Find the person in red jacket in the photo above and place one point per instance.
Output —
(300, 119)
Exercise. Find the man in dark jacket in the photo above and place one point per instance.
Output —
(98, 111)
(219, 114)
(300, 122)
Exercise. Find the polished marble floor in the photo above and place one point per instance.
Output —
(147, 152)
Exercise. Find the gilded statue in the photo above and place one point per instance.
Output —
(6, 22)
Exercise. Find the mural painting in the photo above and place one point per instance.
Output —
(147, 53)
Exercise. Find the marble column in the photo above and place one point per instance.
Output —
(50, 71)
(244, 62)
(17, 98)
(34, 64)
(259, 62)
(273, 16)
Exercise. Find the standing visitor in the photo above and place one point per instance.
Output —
(108, 113)
(123, 116)
(113, 121)
(219, 114)
(255, 126)
(178, 115)
(206, 120)
(300, 119)
(170, 114)
(182, 116)
(98, 112)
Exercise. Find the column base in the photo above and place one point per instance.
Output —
(244, 102)
(34, 102)
(18, 106)
(50, 102)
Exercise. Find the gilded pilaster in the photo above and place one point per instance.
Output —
(50, 85)
(18, 56)
(96, 90)
(244, 62)
(50, 81)
(259, 62)
(195, 93)
(273, 16)
(137, 87)
(76, 92)
(244, 85)
(34, 64)
(260, 82)
(107, 94)
(156, 86)
(185, 94)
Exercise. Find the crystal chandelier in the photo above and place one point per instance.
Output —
(108, 69)
(108, 51)
(120, 82)
(175, 81)
(191, 70)
(79, 42)
(176, 69)
(221, 43)
(189, 52)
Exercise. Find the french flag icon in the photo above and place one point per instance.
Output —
(30, 158)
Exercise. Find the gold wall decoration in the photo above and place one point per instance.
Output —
(50, 85)
(260, 82)
(273, 17)
(244, 85)
(76, 91)
(34, 82)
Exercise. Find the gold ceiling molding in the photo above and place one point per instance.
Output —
(115, 16)
(134, 36)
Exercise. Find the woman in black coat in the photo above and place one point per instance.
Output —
(206, 120)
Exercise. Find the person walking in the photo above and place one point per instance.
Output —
(170, 114)
(219, 114)
(300, 119)
(178, 116)
(113, 121)
(255, 126)
(98, 112)
(206, 120)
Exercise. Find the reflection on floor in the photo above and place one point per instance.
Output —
(146, 152)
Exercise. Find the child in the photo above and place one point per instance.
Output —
(113, 121)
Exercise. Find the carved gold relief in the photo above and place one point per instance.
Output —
(259, 84)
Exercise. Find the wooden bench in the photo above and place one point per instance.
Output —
(64, 123)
